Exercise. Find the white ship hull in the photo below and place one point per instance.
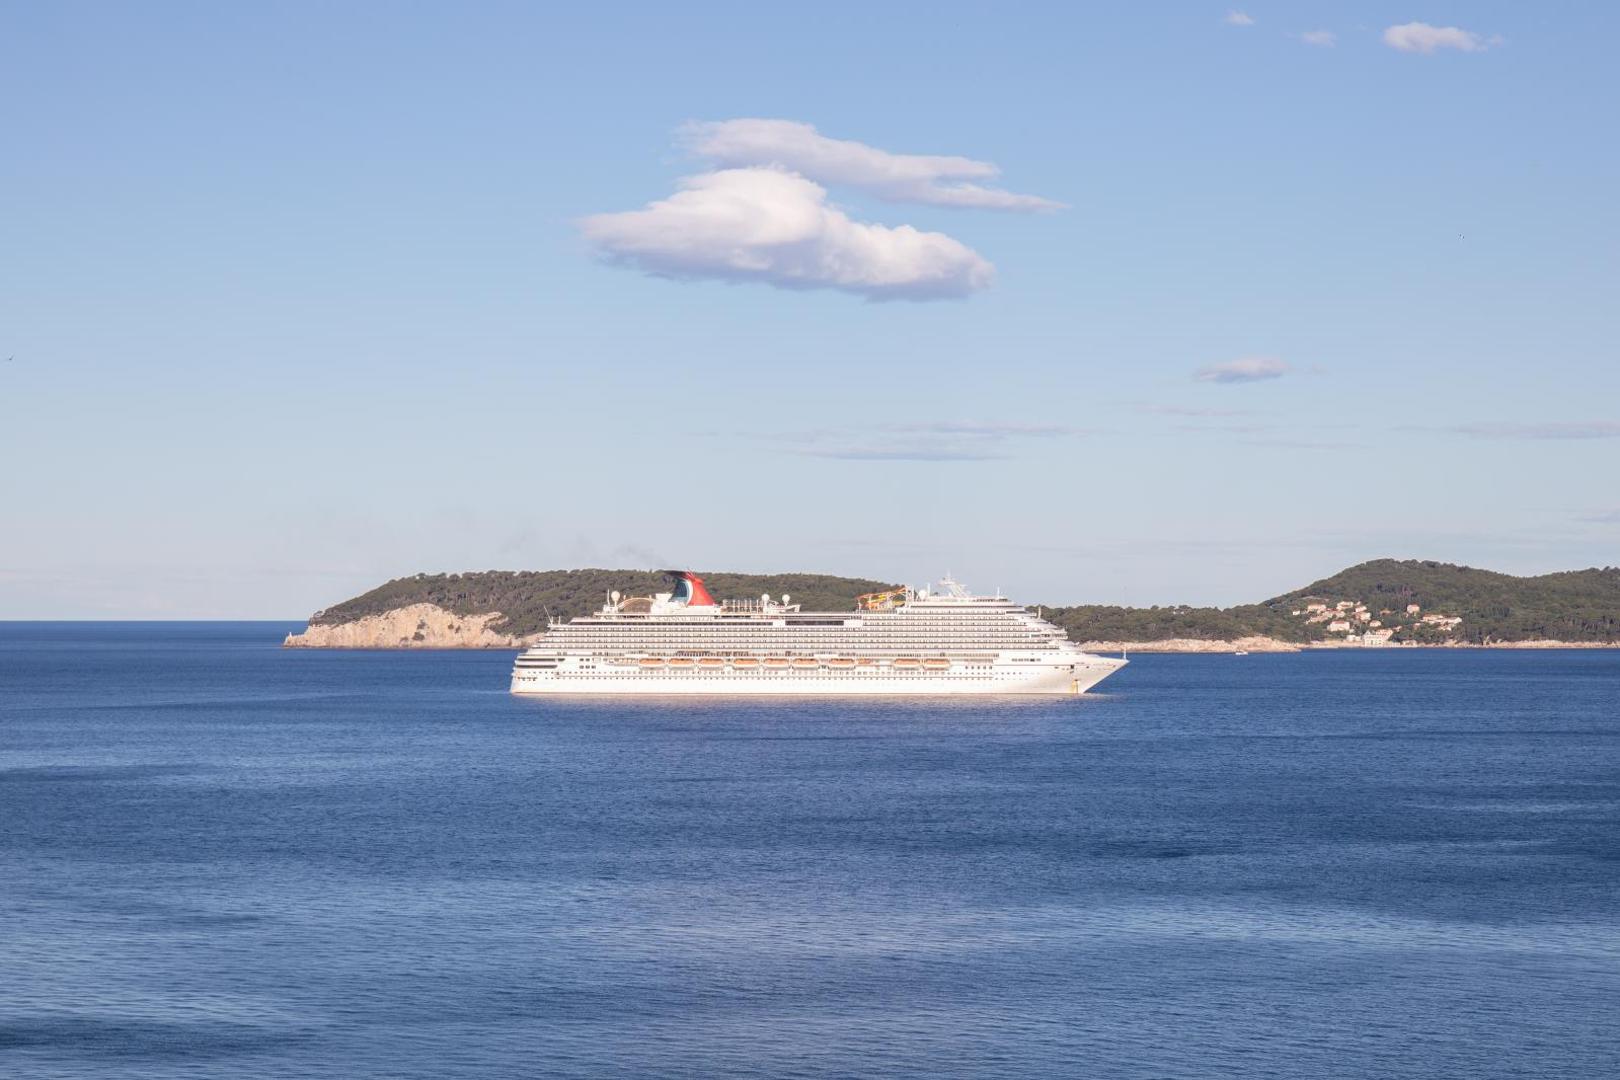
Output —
(1010, 679)
(900, 643)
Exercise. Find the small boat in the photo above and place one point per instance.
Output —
(936, 664)
(806, 662)
(907, 662)
(711, 662)
(865, 661)
(777, 661)
(745, 662)
(840, 662)
(652, 661)
(1241, 652)
(682, 662)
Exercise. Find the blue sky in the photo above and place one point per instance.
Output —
(304, 297)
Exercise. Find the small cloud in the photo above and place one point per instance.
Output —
(1558, 429)
(1417, 37)
(1238, 18)
(770, 226)
(1245, 369)
(800, 148)
(1324, 38)
(1602, 517)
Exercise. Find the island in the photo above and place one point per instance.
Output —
(1377, 604)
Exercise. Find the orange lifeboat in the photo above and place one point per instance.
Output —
(937, 664)
(777, 661)
(865, 661)
(682, 661)
(652, 661)
(748, 662)
(806, 662)
(711, 662)
(906, 662)
(841, 662)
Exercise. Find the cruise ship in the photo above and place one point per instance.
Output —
(904, 642)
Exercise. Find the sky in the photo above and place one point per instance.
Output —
(1144, 304)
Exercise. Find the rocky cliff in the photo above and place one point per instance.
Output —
(417, 626)
(1193, 645)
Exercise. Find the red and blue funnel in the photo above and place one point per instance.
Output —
(689, 589)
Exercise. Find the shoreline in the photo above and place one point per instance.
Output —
(1271, 645)
(476, 637)
(416, 626)
(428, 626)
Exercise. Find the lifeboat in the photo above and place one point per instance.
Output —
(936, 664)
(904, 662)
(711, 662)
(652, 661)
(682, 661)
(804, 662)
(842, 662)
(865, 661)
(777, 661)
(745, 662)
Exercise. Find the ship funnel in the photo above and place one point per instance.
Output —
(689, 589)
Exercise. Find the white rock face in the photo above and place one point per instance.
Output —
(419, 626)
(1192, 645)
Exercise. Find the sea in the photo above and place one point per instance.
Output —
(219, 858)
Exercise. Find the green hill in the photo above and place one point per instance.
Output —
(1574, 605)
(1095, 622)
(526, 597)
(1579, 605)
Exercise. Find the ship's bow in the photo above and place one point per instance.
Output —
(1095, 669)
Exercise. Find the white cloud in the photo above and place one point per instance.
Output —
(1238, 18)
(1245, 369)
(800, 148)
(771, 226)
(1420, 37)
(1325, 38)
(762, 214)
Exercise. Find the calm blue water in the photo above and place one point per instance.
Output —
(221, 859)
